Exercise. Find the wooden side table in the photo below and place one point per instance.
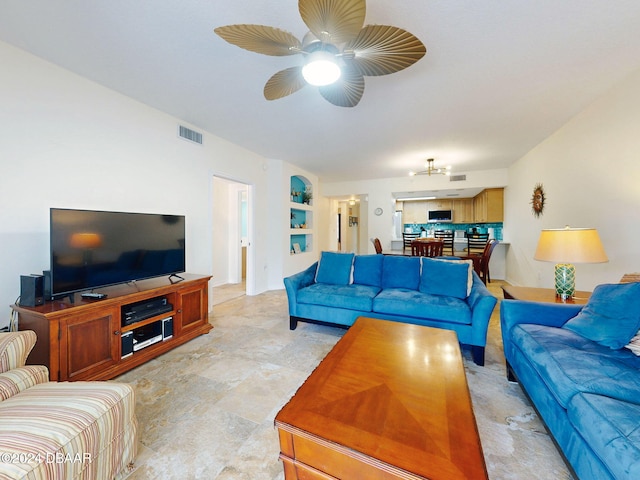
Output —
(546, 295)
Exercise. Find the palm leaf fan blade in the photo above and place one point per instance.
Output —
(260, 39)
(347, 91)
(383, 49)
(333, 21)
(284, 83)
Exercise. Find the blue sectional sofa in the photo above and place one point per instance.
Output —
(341, 287)
(576, 366)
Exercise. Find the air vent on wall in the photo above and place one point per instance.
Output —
(457, 178)
(190, 135)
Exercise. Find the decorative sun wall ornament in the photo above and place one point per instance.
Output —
(537, 200)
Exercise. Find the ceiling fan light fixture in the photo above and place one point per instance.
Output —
(352, 50)
(321, 69)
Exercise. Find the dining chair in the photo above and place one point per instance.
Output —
(481, 261)
(420, 248)
(377, 245)
(476, 243)
(447, 238)
(407, 238)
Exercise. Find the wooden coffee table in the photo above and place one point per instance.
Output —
(390, 401)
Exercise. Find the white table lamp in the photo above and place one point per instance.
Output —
(567, 246)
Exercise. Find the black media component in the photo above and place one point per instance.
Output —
(92, 249)
(47, 285)
(167, 328)
(31, 290)
(127, 344)
(135, 312)
(147, 335)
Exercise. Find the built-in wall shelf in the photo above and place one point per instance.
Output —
(301, 215)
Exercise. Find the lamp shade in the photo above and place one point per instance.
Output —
(570, 245)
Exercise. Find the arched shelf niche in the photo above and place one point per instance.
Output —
(301, 215)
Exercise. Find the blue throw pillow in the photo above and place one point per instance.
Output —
(367, 270)
(334, 268)
(400, 272)
(449, 278)
(611, 317)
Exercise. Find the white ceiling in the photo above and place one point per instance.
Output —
(498, 77)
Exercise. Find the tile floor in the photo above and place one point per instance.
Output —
(206, 409)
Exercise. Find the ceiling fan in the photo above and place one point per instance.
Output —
(338, 42)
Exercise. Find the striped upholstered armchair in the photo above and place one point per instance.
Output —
(60, 431)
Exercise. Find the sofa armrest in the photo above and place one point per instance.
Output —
(297, 281)
(14, 348)
(514, 312)
(482, 303)
(19, 379)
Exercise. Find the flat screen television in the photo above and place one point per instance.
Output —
(91, 249)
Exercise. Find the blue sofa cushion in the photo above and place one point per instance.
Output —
(400, 272)
(610, 427)
(412, 303)
(351, 297)
(569, 363)
(450, 278)
(335, 268)
(611, 317)
(367, 269)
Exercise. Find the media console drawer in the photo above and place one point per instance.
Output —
(86, 339)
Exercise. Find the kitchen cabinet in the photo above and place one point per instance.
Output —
(439, 204)
(414, 212)
(488, 206)
(463, 210)
(417, 211)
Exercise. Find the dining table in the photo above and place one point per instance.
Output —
(461, 255)
(407, 252)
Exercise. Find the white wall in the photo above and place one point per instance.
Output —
(68, 142)
(590, 170)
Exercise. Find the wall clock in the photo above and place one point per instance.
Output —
(537, 200)
(378, 211)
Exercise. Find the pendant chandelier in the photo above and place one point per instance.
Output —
(430, 169)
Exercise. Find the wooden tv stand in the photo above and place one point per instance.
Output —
(83, 340)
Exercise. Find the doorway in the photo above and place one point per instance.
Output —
(351, 224)
(231, 235)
